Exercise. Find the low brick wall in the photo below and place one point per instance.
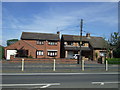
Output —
(42, 60)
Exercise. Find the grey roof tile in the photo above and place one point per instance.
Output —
(39, 36)
(95, 42)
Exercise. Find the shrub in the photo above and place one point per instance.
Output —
(30, 56)
(96, 54)
(100, 60)
(113, 60)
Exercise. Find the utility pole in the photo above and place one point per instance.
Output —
(81, 26)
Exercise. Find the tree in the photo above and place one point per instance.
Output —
(1, 52)
(11, 41)
(117, 50)
(114, 42)
(114, 39)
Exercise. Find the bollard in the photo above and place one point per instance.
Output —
(54, 65)
(22, 64)
(82, 65)
(106, 66)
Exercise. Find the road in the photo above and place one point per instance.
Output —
(60, 80)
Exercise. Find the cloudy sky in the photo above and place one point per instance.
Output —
(100, 19)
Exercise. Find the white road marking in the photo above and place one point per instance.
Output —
(43, 85)
(46, 86)
(57, 73)
(103, 83)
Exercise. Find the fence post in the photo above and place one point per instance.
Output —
(106, 66)
(22, 64)
(54, 65)
(83, 65)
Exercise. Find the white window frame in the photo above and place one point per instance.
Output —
(40, 53)
(40, 42)
(52, 53)
(52, 43)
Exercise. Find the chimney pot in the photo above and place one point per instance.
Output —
(88, 35)
(58, 33)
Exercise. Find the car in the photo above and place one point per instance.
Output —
(75, 56)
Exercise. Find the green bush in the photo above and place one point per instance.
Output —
(30, 56)
(113, 60)
(100, 60)
(1, 52)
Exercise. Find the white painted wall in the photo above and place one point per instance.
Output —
(11, 52)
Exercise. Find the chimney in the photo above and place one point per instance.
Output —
(58, 33)
(87, 34)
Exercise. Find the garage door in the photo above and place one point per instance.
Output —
(11, 52)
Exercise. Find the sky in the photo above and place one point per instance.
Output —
(99, 18)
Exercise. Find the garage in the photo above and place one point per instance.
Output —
(11, 52)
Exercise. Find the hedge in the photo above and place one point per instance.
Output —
(113, 60)
(1, 52)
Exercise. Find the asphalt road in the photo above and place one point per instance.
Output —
(60, 80)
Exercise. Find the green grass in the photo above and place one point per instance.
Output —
(113, 60)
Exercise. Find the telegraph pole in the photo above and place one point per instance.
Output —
(81, 26)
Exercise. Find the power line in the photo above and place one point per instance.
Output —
(57, 30)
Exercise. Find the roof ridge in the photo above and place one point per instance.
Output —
(40, 33)
(82, 36)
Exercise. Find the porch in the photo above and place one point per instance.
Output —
(86, 52)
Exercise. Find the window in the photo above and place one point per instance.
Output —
(52, 43)
(82, 43)
(39, 52)
(70, 43)
(52, 53)
(40, 42)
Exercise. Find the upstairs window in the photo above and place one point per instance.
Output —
(40, 42)
(40, 52)
(70, 43)
(52, 43)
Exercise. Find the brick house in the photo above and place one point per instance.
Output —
(35, 45)
(92, 47)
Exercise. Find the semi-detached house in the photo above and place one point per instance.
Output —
(35, 45)
(91, 47)
(46, 45)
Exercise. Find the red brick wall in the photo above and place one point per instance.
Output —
(21, 44)
(44, 60)
(45, 47)
(32, 47)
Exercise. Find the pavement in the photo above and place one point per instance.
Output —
(49, 67)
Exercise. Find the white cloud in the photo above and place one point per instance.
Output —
(55, 19)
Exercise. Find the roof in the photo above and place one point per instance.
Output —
(16, 46)
(39, 36)
(95, 42)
